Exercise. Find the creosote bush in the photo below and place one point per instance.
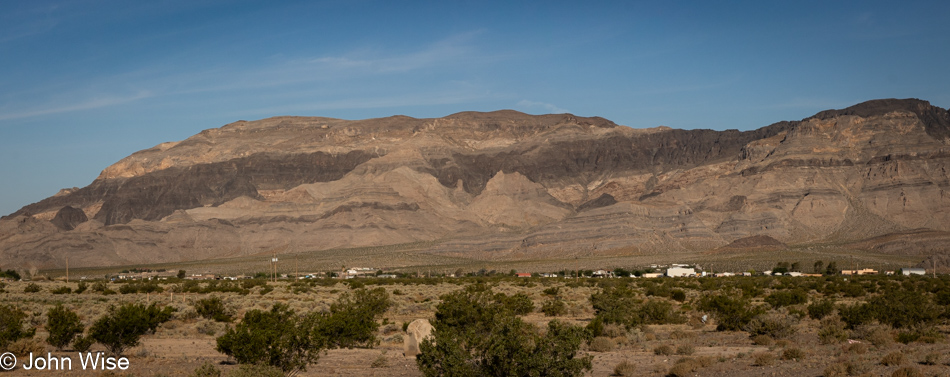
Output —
(820, 309)
(289, 342)
(278, 338)
(213, 308)
(351, 321)
(12, 323)
(478, 333)
(63, 326)
(553, 307)
(121, 327)
(732, 314)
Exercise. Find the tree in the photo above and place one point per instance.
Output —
(476, 334)
(12, 274)
(181, 274)
(63, 325)
(122, 326)
(819, 267)
(11, 326)
(277, 337)
(832, 268)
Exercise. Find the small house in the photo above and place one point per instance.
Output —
(680, 272)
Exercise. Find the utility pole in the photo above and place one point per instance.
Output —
(67, 269)
(273, 262)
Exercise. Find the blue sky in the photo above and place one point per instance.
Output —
(85, 83)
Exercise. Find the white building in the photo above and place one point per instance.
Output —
(680, 271)
(913, 271)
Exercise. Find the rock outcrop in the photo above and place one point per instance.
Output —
(506, 185)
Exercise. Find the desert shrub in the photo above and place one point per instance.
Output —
(877, 336)
(381, 361)
(663, 350)
(858, 348)
(519, 303)
(853, 290)
(477, 334)
(602, 344)
(793, 354)
(785, 298)
(26, 346)
(907, 336)
(213, 308)
(907, 372)
(732, 314)
(206, 370)
(856, 315)
(63, 325)
(141, 287)
(904, 308)
(83, 343)
(277, 338)
(251, 283)
(121, 327)
(626, 369)
(685, 349)
(893, 358)
(352, 319)
(932, 358)
(553, 307)
(836, 370)
(101, 287)
(658, 312)
(552, 291)
(762, 340)
(12, 323)
(832, 330)
(678, 295)
(62, 290)
(616, 305)
(776, 326)
(82, 287)
(31, 288)
(685, 366)
(763, 358)
(819, 309)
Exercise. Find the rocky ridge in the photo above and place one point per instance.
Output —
(506, 185)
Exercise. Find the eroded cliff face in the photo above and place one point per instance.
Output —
(503, 183)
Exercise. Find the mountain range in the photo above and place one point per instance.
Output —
(871, 177)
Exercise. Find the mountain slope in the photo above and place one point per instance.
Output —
(502, 183)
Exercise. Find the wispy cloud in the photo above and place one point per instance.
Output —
(86, 104)
(334, 78)
(544, 107)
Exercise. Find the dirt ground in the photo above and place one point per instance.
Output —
(185, 343)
